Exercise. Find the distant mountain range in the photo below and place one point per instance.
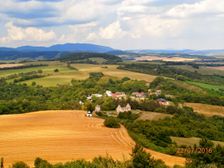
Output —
(33, 52)
(55, 51)
(187, 51)
(69, 47)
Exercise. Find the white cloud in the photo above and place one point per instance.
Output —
(154, 26)
(15, 33)
(113, 30)
(143, 23)
(202, 7)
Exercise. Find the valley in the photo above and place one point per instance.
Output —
(158, 104)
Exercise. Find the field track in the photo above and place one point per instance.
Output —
(60, 136)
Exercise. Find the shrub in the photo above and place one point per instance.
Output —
(56, 70)
(140, 159)
(41, 163)
(128, 115)
(111, 122)
(20, 165)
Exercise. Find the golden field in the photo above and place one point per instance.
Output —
(65, 135)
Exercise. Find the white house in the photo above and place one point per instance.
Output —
(94, 95)
(108, 93)
(97, 108)
(128, 107)
(138, 95)
(97, 95)
(120, 109)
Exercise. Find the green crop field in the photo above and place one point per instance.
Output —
(207, 86)
(66, 74)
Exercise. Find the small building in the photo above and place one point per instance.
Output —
(97, 108)
(97, 95)
(89, 97)
(138, 95)
(120, 109)
(163, 102)
(94, 95)
(89, 114)
(158, 92)
(108, 93)
(118, 95)
(128, 107)
(154, 92)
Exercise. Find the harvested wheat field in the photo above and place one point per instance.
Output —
(170, 161)
(2, 66)
(217, 68)
(61, 136)
(166, 59)
(206, 109)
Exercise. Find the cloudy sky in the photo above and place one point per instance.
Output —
(122, 24)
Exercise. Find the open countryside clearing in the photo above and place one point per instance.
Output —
(206, 109)
(10, 65)
(61, 136)
(65, 74)
(152, 116)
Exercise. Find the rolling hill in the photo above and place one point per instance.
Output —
(39, 52)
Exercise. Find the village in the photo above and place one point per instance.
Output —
(138, 96)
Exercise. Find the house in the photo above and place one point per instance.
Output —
(120, 109)
(97, 108)
(156, 92)
(94, 95)
(138, 95)
(163, 102)
(80, 102)
(128, 107)
(108, 93)
(97, 95)
(89, 114)
(118, 95)
(89, 97)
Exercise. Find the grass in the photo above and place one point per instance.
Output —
(146, 115)
(207, 86)
(98, 60)
(202, 69)
(65, 74)
(191, 141)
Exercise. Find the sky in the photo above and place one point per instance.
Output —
(121, 24)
